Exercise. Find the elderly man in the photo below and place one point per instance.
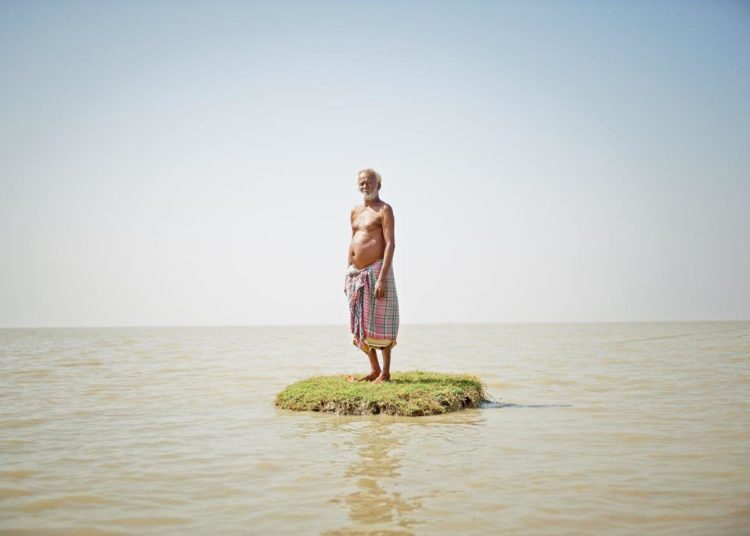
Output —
(370, 286)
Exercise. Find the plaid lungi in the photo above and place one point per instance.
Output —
(373, 321)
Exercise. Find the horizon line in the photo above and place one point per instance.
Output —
(548, 322)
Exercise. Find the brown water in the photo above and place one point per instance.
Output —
(598, 428)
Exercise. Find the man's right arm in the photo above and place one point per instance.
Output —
(349, 250)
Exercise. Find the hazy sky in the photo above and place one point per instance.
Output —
(169, 163)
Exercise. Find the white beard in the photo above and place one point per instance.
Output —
(371, 196)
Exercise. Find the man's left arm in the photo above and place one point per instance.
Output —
(389, 234)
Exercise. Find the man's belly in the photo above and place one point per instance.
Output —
(363, 252)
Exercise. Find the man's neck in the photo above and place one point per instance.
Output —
(372, 201)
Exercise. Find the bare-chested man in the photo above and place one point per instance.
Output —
(370, 285)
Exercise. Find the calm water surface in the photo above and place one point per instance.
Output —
(597, 428)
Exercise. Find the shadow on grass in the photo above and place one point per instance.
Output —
(433, 380)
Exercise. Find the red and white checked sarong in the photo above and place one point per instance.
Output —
(373, 321)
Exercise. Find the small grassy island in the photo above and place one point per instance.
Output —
(411, 394)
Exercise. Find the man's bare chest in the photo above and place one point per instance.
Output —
(367, 220)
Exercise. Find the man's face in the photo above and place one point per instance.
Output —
(368, 185)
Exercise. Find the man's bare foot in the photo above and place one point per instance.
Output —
(382, 378)
(370, 377)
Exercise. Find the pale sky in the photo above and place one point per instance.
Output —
(194, 163)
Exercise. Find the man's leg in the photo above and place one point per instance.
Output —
(385, 375)
(374, 368)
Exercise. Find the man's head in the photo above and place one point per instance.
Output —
(368, 182)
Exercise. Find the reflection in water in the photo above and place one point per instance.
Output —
(375, 507)
(378, 506)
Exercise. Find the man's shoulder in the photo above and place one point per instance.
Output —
(385, 207)
(380, 208)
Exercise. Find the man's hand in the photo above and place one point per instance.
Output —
(379, 288)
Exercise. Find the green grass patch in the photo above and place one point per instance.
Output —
(412, 394)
